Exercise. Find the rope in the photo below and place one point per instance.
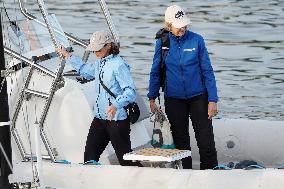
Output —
(159, 116)
(254, 167)
(226, 167)
(222, 167)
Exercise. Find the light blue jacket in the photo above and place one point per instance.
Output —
(115, 74)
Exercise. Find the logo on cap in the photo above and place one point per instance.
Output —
(179, 14)
(107, 37)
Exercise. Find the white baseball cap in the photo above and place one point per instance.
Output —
(98, 40)
(176, 16)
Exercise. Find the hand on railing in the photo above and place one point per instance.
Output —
(62, 52)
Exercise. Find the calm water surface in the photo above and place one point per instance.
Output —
(244, 38)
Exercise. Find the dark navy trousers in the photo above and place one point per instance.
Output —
(196, 108)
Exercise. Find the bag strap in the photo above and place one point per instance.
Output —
(105, 87)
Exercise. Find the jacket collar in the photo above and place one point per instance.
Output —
(106, 58)
(182, 38)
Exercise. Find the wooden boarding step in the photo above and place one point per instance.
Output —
(154, 155)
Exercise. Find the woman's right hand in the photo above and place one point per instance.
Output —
(153, 106)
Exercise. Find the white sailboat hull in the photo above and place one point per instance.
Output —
(114, 176)
(67, 126)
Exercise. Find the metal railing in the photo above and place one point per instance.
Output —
(28, 61)
(57, 76)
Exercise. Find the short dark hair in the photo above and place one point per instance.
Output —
(114, 49)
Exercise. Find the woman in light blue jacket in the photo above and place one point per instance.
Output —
(110, 121)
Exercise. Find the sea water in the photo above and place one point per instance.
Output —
(244, 38)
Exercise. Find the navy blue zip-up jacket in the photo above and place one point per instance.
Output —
(188, 69)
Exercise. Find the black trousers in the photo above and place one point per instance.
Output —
(178, 112)
(103, 131)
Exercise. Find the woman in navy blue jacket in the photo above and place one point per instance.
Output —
(190, 87)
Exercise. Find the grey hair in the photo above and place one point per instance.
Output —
(168, 26)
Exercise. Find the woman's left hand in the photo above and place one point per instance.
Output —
(212, 109)
(111, 111)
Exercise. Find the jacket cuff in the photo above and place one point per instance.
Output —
(151, 98)
(213, 100)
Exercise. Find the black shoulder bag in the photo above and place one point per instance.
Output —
(132, 109)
